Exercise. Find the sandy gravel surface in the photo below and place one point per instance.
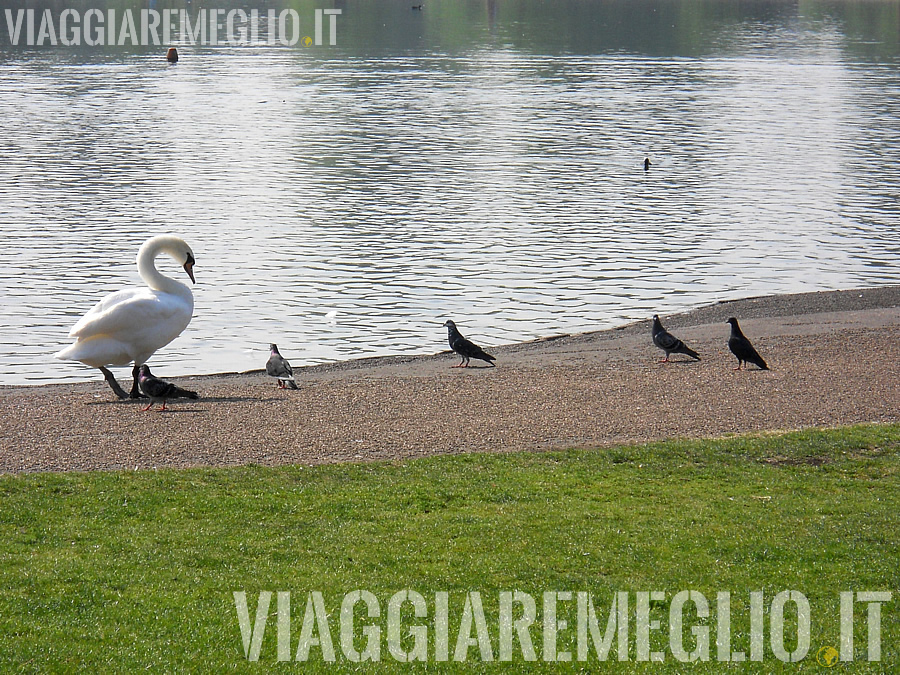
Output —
(835, 359)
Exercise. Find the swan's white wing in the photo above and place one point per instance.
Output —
(95, 321)
(127, 313)
(129, 326)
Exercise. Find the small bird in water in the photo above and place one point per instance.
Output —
(159, 390)
(740, 346)
(466, 349)
(669, 343)
(278, 367)
(646, 163)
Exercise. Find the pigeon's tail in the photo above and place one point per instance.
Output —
(178, 392)
(760, 363)
(690, 352)
(481, 355)
(291, 384)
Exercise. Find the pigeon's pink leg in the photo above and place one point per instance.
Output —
(148, 407)
(163, 408)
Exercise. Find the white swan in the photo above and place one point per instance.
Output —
(130, 325)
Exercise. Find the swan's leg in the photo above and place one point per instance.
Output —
(135, 390)
(111, 380)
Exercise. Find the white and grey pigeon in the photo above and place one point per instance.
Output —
(159, 390)
(466, 349)
(669, 343)
(278, 367)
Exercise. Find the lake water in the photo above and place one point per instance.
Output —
(481, 161)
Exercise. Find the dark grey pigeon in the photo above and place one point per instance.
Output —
(740, 346)
(159, 390)
(278, 367)
(669, 343)
(466, 349)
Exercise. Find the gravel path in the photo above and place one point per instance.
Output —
(835, 359)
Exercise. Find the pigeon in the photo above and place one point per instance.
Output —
(740, 346)
(278, 367)
(159, 390)
(466, 350)
(647, 163)
(669, 343)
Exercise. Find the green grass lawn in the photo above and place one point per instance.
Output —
(124, 571)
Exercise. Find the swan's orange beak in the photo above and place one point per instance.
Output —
(189, 268)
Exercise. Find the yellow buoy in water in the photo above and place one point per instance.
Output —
(172, 55)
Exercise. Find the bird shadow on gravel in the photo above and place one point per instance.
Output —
(176, 410)
(204, 399)
(679, 362)
(241, 399)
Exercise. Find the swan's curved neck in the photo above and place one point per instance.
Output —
(146, 264)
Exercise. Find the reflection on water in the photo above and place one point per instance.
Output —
(344, 202)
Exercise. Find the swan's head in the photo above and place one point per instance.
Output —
(170, 245)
